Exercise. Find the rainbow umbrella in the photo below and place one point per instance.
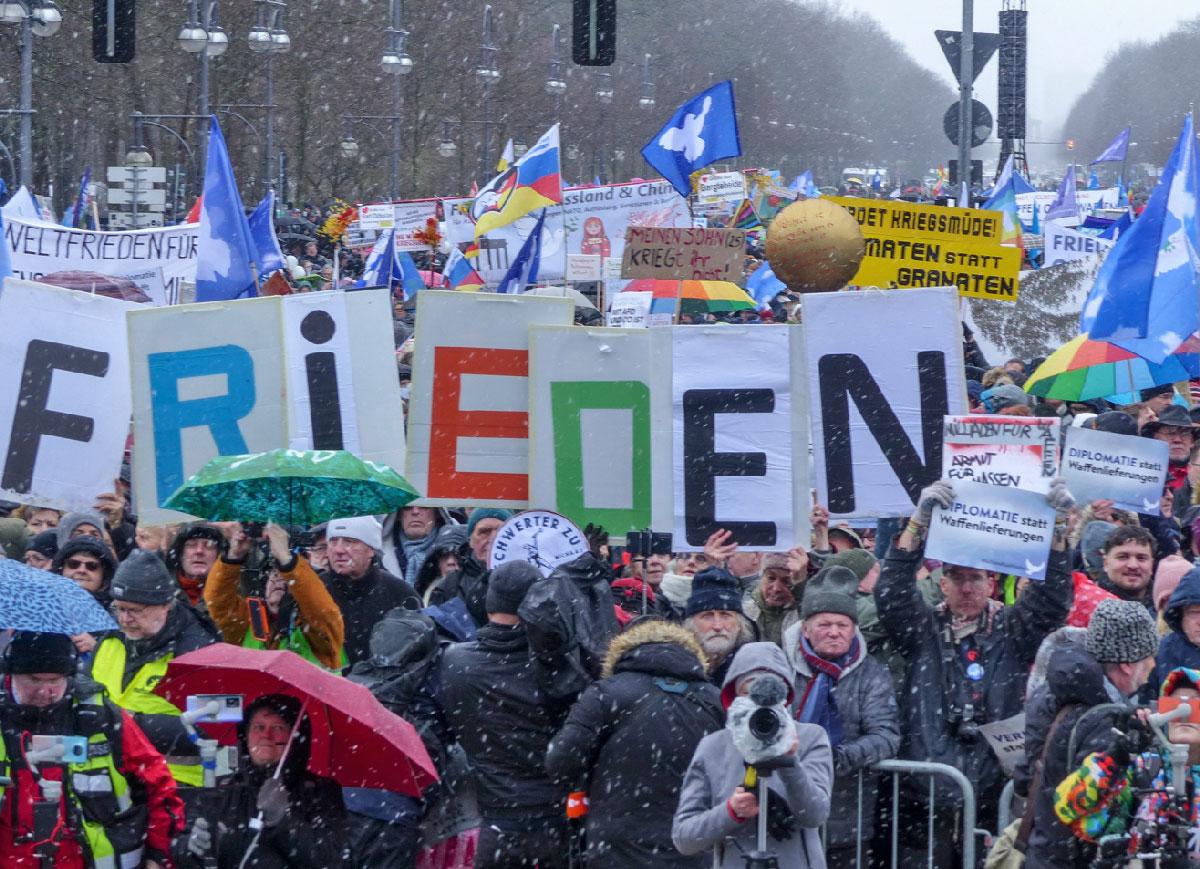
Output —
(1083, 369)
(695, 297)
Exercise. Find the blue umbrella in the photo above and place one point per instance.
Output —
(37, 600)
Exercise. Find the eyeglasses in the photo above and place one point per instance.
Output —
(77, 563)
(125, 610)
(200, 543)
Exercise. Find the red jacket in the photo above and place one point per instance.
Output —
(140, 762)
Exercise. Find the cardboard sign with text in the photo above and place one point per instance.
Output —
(1019, 451)
(1128, 470)
(998, 528)
(683, 253)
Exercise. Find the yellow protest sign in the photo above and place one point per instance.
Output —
(912, 245)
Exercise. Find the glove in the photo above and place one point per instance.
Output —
(272, 801)
(1059, 497)
(939, 494)
(199, 841)
(1131, 738)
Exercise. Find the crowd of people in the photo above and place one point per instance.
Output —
(591, 717)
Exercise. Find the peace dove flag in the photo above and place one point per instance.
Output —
(702, 131)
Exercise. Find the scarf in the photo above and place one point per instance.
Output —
(193, 588)
(414, 554)
(817, 705)
(962, 628)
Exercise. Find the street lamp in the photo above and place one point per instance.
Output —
(268, 37)
(397, 63)
(488, 74)
(349, 147)
(203, 35)
(36, 18)
(447, 147)
(646, 100)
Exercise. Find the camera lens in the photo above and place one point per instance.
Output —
(764, 724)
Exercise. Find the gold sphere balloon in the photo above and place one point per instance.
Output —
(815, 246)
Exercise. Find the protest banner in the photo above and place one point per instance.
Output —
(410, 218)
(64, 397)
(721, 187)
(929, 246)
(1128, 470)
(739, 431)
(41, 249)
(630, 310)
(683, 253)
(1064, 244)
(998, 528)
(500, 247)
(584, 267)
(599, 427)
(229, 378)
(374, 217)
(468, 435)
(1019, 451)
(883, 370)
(539, 537)
(1088, 202)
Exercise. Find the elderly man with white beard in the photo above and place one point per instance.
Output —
(714, 616)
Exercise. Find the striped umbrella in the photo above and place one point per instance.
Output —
(695, 297)
(1083, 369)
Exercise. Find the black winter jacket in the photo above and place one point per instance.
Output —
(629, 740)
(364, 602)
(468, 582)
(500, 716)
(1074, 678)
(936, 689)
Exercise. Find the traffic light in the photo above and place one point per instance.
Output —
(594, 32)
(1070, 144)
(113, 31)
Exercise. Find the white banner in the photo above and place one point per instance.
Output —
(39, 249)
(1088, 201)
(64, 396)
(630, 310)
(884, 368)
(739, 432)
(468, 429)
(411, 218)
(1063, 244)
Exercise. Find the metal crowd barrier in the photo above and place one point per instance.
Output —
(897, 768)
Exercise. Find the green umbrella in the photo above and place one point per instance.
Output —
(293, 487)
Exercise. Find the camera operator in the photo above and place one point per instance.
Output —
(715, 803)
(295, 611)
(967, 660)
(1121, 792)
(1087, 690)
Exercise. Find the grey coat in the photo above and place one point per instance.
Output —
(702, 820)
(866, 702)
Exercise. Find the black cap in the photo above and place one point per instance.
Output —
(44, 543)
(508, 585)
(33, 652)
(1116, 422)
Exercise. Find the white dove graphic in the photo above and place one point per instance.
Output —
(686, 137)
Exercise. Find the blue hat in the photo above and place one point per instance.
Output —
(713, 589)
(480, 513)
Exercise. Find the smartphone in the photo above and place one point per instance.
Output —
(1166, 704)
(643, 544)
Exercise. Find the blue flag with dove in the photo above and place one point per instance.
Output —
(225, 251)
(702, 131)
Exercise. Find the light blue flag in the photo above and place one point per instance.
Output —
(1065, 203)
(1093, 181)
(379, 268)
(225, 254)
(524, 269)
(1117, 150)
(269, 258)
(5, 261)
(763, 286)
(1020, 185)
(71, 215)
(702, 131)
(1144, 298)
(405, 271)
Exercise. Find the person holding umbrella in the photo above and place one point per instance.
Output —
(302, 815)
(117, 805)
(295, 612)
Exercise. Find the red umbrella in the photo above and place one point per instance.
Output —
(355, 740)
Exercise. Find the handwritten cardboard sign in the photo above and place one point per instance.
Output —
(683, 253)
(1020, 451)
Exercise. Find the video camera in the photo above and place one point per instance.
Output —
(761, 726)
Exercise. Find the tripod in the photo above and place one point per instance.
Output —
(760, 857)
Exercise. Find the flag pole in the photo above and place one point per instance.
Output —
(254, 271)
(1121, 183)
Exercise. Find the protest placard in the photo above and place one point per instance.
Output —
(1128, 470)
(542, 538)
(228, 378)
(468, 434)
(584, 267)
(910, 245)
(630, 310)
(39, 249)
(683, 253)
(409, 219)
(372, 218)
(1000, 528)
(895, 357)
(721, 187)
(1063, 244)
(64, 395)
(739, 436)
(1019, 451)
(1007, 740)
(600, 446)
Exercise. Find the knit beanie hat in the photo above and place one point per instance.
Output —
(365, 529)
(713, 589)
(859, 560)
(508, 585)
(89, 545)
(832, 590)
(44, 543)
(67, 524)
(1166, 579)
(849, 533)
(1121, 632)
(774, 561)
(14, 537)
(33, 652)
(480, 513)
(143, 578)
(1091, 544)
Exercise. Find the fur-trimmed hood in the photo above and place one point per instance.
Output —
(651, 633)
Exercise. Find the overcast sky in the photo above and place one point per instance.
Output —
(1069, 41)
